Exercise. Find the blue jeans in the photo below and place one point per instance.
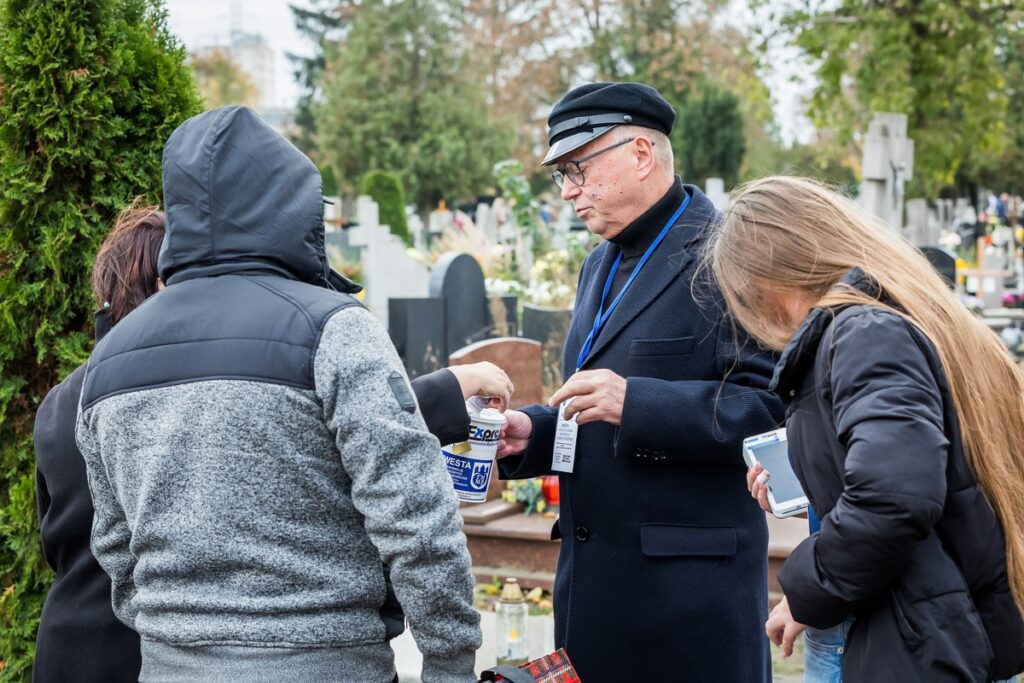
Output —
(823, 654)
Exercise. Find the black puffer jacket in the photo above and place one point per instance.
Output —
(908, 543)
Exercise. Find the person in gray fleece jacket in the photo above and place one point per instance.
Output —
(255, 454)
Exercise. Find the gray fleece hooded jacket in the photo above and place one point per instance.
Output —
(254, 452)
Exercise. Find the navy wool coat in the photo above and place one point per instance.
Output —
(662, 572)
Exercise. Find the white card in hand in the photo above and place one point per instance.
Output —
(565, 442)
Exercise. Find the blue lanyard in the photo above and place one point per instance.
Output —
(602, 315)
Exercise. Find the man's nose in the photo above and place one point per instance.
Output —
(570, 190)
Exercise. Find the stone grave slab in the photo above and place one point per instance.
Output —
(519, 358)
(482, 513)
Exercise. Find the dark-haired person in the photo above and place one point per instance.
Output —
(79, 638)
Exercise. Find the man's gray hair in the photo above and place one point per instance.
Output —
(662, 145)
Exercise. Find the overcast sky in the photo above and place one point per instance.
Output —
(201, 23)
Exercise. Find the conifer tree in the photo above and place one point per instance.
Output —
(709, 137)
(398, 95)
(322, 22)
(89, 92)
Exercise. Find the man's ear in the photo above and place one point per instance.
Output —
(645, 159)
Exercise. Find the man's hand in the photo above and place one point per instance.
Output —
(516, 434)
(781, 628)
(597, 395)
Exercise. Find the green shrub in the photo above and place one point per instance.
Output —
(386, 189)
(329, 180)
(89, 92)
(710, 137)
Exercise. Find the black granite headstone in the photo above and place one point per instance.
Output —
(417, 330)
(944, 262)
(458, 280)
(503, 316)
(549, 326)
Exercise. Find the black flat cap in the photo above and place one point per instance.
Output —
(591, 110)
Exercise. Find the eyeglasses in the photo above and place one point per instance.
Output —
(574, 172)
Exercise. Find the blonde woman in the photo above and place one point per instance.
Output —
(905, 417)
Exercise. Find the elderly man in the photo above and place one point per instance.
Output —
(662, 570)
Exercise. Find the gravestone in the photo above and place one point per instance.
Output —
(944, 212)
(388, 270)
(503, 316)
(417, 230)
(944, 262)
(921, 227)
(549, 326)
(963, 212)
(715, 191)
(332, 214)
(487, 223)
(888, 163)
(338, 249)
(519, 358)
(416, 327)
(457, 312)
(458, 280)
(987, 280)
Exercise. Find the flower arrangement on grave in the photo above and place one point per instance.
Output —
(464, 237)
(350, 268)
(527, 491)
(1013, 300)
(512, 182)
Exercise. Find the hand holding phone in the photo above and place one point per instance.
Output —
(769, 452)
(757, 479)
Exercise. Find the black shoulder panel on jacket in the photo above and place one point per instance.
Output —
(252, 327)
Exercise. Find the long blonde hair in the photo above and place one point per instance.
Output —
(794, 235)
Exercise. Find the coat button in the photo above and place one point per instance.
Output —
(582, 534)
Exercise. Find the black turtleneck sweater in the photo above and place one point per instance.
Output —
(638, 235)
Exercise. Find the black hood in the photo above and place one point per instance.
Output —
(240, 197)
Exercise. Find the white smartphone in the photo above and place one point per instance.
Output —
(771, 449)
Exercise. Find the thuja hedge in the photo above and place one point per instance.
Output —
(89, 91)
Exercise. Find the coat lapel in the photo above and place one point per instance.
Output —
(666, 263)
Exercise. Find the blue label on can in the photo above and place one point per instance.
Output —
(468, 476)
